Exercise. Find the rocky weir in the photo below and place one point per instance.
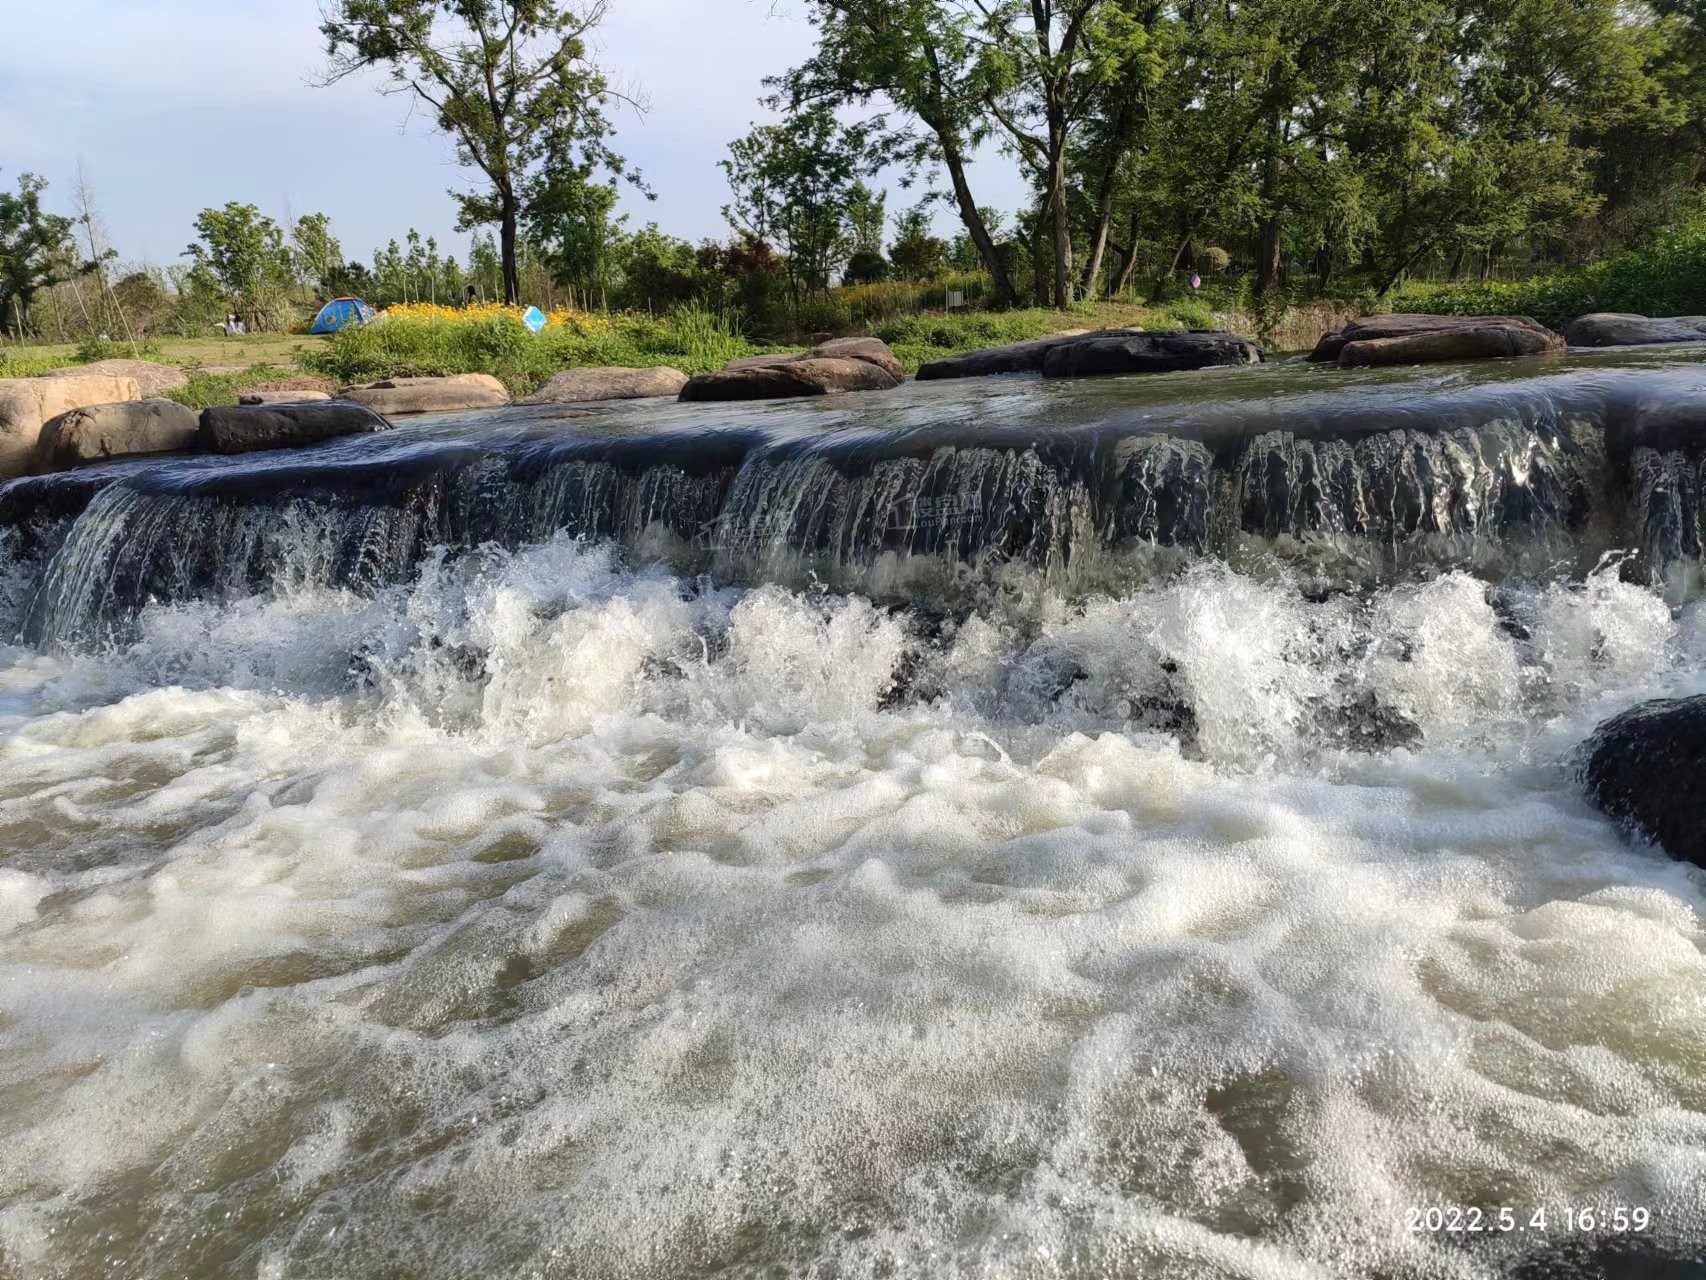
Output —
(1516, 468)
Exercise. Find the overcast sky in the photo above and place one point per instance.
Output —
(176, 105)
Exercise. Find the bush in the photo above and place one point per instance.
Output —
(1664, 277)
(436, 342)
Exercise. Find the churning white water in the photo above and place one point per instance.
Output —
(548, 918)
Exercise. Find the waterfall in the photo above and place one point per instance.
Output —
(1517, 477)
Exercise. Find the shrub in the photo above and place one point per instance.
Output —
(435, 342)
(1666, 276)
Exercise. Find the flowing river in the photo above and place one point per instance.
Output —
(1113, 829)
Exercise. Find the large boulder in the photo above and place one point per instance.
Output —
(1641, 770)
(809, 377)
(97, 432)
(1161, 351)
(26, 404)
(249, 428)
(582, 386)
(870, 350)
(152, 380)
(1618, 329)
(1017, 357)
(456, 394)
(1427, 339)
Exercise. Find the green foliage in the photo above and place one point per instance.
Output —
(93, 348)
(690, 338)
(512, 82)
(243, 250)
(206, 390)
(35, 252)
(1665, 276)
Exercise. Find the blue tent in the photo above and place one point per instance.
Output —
(339, 312)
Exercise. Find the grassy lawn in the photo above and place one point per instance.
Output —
(273, 349)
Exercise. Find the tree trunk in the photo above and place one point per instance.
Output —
(1061, 221)
(1005, 294)
(1130, 268)
(1457, 260)
(1099, 238)
(507, 248)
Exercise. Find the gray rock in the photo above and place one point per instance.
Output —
(1419, 339)
(870, 350)
(1018, 357)
(28, 404)
(281, 397)
(582, 386)
(1642, 767)
(808, 377)
(1468, 342)
(97, 432)
(1160, 351)
(250, 428)
(152, 380)
(1618, 329)
(458, 393)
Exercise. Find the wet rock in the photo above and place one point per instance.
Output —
(152, 380)
(27, 404)
(1641, 770)
(809, 377)
(250, 428)
(1161, 351)
(1017, 357)
(281, 397)
(1620, 329)
(1426, 339)
(456, 394)
(579, 386)
(870, 350)
(97, 432)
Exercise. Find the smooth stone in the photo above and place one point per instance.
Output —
(281, 397)
(28, 404)
(458, 393)
(250, 428)
(1621, 329)
(1159, 351)
(1642, 768)
(152, 380)
(1384, 328)
(97, 432)
(870, 350)
(809, 377)
(1480, 342)
(584, 386)
(1017, 357)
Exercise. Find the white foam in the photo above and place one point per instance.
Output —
(547, 917)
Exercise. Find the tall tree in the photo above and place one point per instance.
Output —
(244, 251)
(918, 57)
(317, 254)
(512, 81)
(36, 251)
(791, 186)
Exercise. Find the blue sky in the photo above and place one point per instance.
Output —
(175, 105)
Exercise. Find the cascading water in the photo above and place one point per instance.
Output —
(1124, 829)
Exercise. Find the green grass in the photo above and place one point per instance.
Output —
(276, 350)
(205, 390)
(690, 339)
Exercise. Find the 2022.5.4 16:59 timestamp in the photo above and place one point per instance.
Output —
(1473, 1219)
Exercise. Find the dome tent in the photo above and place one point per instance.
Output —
(339, 312)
